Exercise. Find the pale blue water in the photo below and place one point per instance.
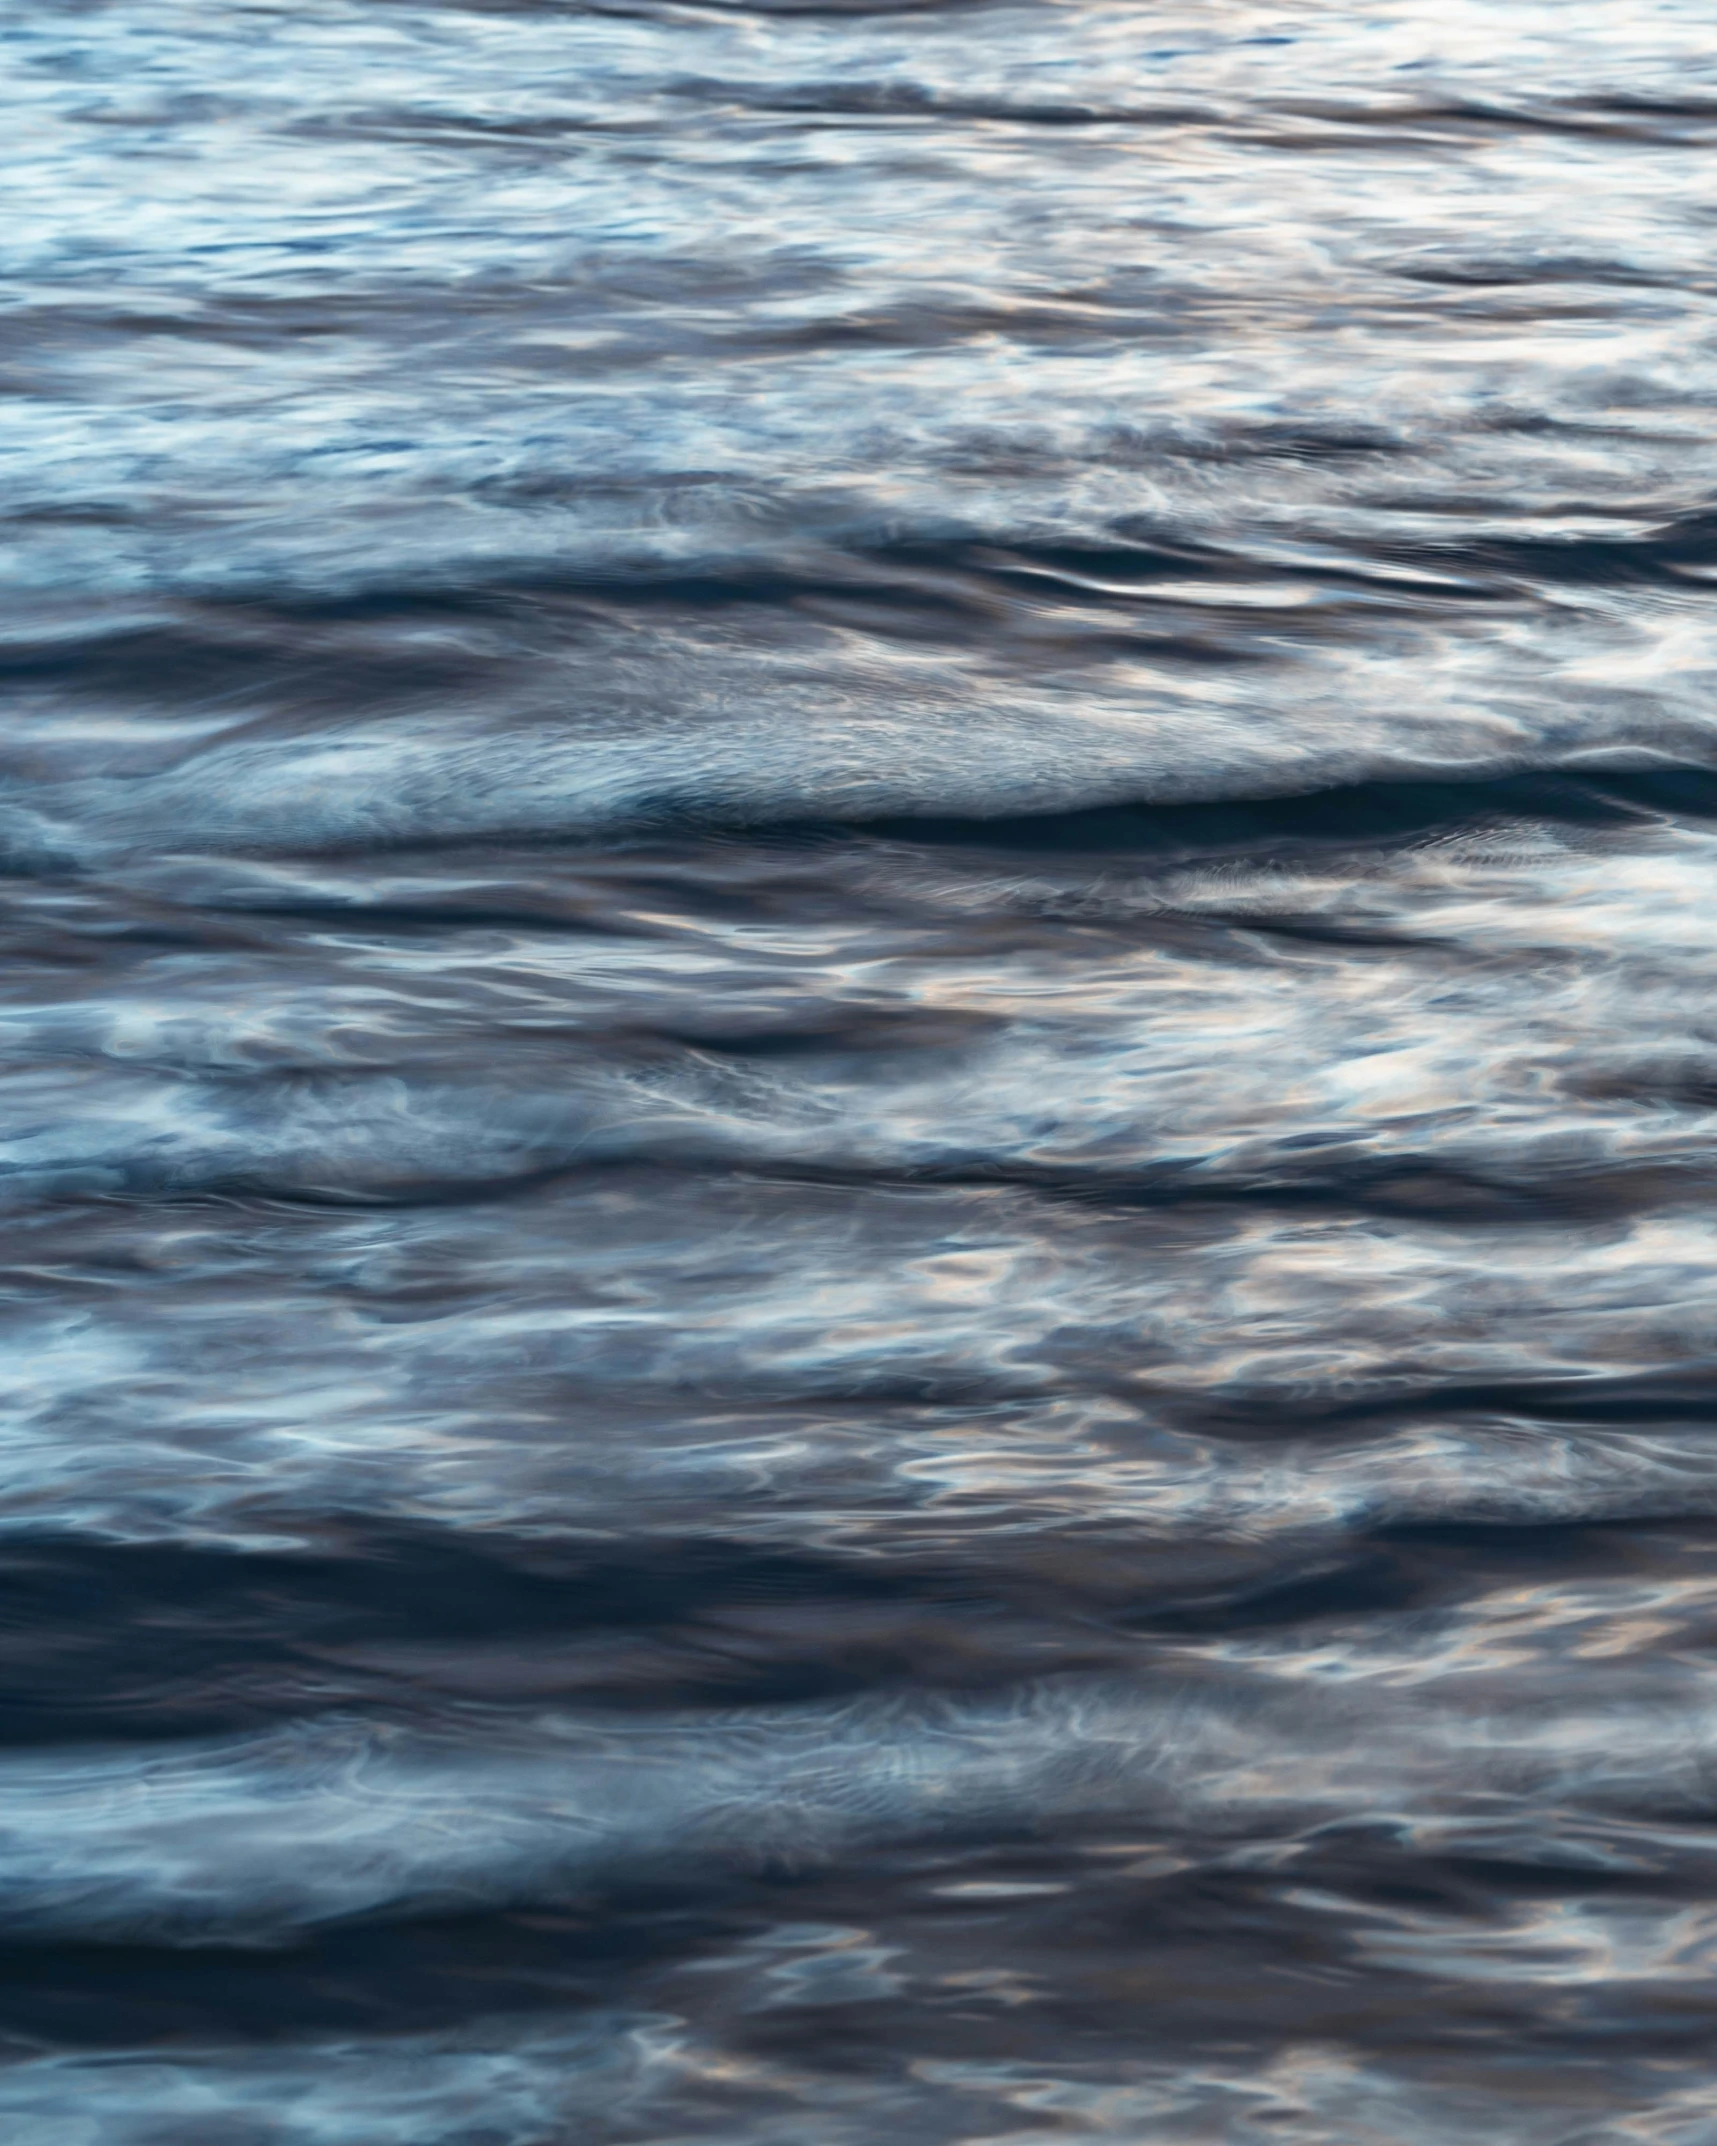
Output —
(859, 1103)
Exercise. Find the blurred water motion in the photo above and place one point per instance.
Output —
(858, 1112)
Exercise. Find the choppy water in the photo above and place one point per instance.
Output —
(860, 1074)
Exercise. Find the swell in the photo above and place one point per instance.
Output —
(208, 1842)
(1100, 788)
(411, 1624)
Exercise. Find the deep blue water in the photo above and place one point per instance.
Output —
(858, 1120)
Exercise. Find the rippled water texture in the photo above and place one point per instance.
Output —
(859, 1094)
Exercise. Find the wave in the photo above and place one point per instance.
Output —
(515, 2084)
(253, 1840)
(1497, 1020)
(937, 753)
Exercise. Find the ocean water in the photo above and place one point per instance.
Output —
(858, 1073)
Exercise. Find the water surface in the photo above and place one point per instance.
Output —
(859, 1104)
